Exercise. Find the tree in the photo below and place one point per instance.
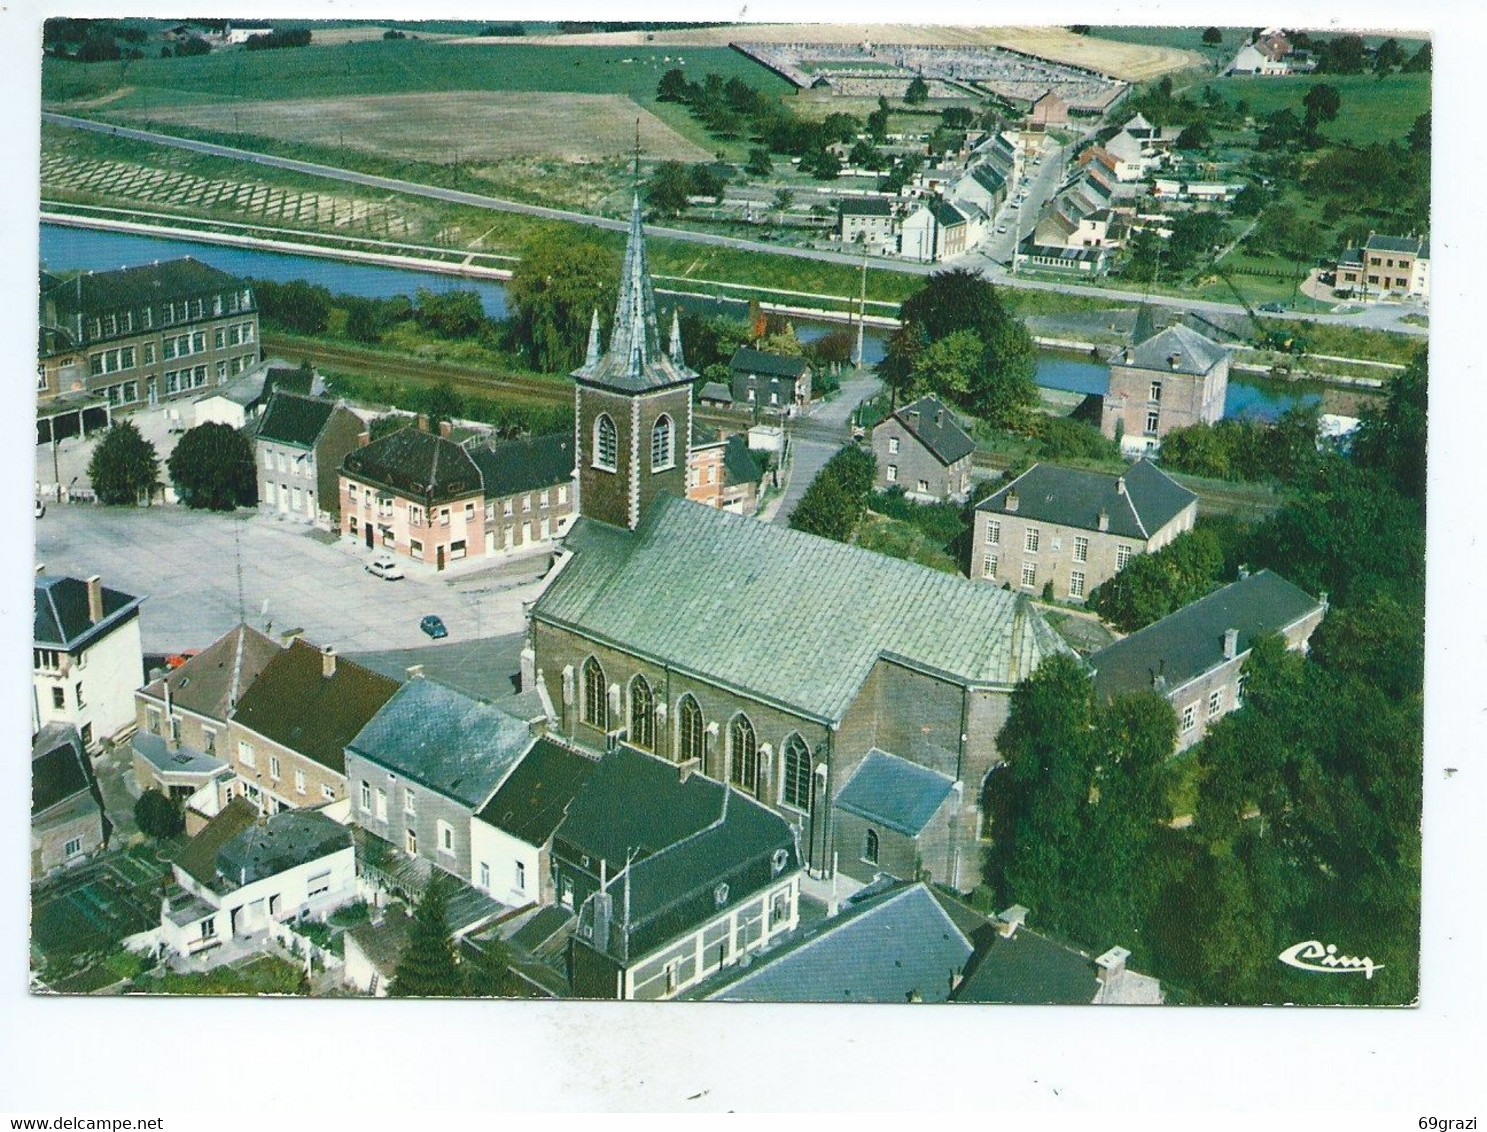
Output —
(1419, 135)
(363, 323)
(123, 466)
(824, 165)
(1212, 37)
(759, 164)
(957, 117)
(950, 367)
(1420, 61)
(1195, 136)
(303, 308)
(1387, 56)
(428, 967)
(439, 403)
(157, 816)
(783, 199)
(1391, 439)
(213, 468)
(707, 182)
(1005, 389)
(673, 86)
(865, 155)
(834, 503)
(877, 121)
(1344, 55)
(452, 314)
(669, 187)
(1322, 103)
(1154, 585)
(918, 92)
(555, 289)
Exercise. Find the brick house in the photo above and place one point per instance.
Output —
(723, 472)
(86, 657)
(933, 231)
(1195, 656)
(773, 382)
(425, 497)
(287, 740)
(1175, 378)
(299, 445)
(141, 335)
(1386, 266)
(922, 449)
(68, 822)
(1076, 529)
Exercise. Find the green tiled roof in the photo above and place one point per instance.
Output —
(59, 768)
(103, 291)
(937, 429)
(740, 465)
(535, 796)
(746, 359)
(700, 589)
(415, 463)
(1194, 353)
(1029, 970)
(292, 419)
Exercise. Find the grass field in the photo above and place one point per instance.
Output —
(467, 126)
(1373, 109)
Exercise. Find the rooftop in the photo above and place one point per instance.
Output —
(660, 592)
(1190, 642)
(508, 467)
(60, 770)
(62, 618)
(746, 359)
(935, 426)
(534, 799)
(286, 840)
(1031, 970)
(1175, 350)
(452, 743)
(98, 292)
(211, 682)
(1409, 245)
(418, 464)
(894, 792)
(293, 419)
(716, 391)
(1138, 503)
(173, 760)
(865, 207)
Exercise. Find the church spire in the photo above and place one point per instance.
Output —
(676, 338)
(592, 358)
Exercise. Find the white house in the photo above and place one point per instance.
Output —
(86, 657)
(242, 872)
(1252, 61)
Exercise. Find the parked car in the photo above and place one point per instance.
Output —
(434, 627)
(386, 567)
(1001, 229)
(1273, 308)
(40, 509)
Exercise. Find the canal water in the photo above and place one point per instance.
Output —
(72, 249)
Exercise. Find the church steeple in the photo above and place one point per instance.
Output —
(676, 337)
(592, 358)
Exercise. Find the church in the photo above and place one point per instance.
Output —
(856, 695)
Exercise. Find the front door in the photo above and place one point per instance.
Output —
(439, 557)
(369, 536)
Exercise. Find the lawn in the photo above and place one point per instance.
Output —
(1373, 109)
(899, 539)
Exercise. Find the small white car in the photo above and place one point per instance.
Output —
(1001, 229)
(386, 567)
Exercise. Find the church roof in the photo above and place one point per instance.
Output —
(635, 361)
(699, 589)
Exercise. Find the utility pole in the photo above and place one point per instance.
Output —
(862, 303)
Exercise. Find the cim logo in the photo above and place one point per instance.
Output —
(1321, 958)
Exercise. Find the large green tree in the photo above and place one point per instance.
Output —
(124, 466)
(554, 291)
(428, 967)
(1154, 585)
(212, 468)
(669, 187)
(1392, 437)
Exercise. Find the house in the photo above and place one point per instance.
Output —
(1172, 379)
(86, 657)
(244, 872)
(181, 716)
(1062, 259)
(715, 395)
(511, 835)
(984, 186)
(141, 335)
(934, 230)
(241, 401)
(775, 382)
(922, 449)
(672, 876)
(68, 822)
(1015, 966)
(757, 656)
(426, 497)
(425, 763)
(1195, 656)
(1075, 529)
(1386, 267)
(1048, 109)
(896, 818)
(743, 476)
(900, 944)
(867, 221)
(706, 471)
(299, 445)
(1266, 56)
(287, 740)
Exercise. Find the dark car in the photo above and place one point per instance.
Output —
(434, 627)
(1273, 308)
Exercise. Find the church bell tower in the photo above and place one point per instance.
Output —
(632, 403)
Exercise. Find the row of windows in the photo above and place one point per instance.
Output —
(891, 474)
(183, 346)
(743, 743)
(376, 803)
(1215, 706)
(179, 380)
(112, 361)
(1030, 575)
(607, 444)
(186, 310)
(59, 696)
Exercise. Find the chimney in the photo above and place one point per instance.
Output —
(1011, 503)
(95, 599)
(1159, 678)
(415, 671)
(1112, 963)
(328, 661)
(363, 439)
(685, 768)
(939, 416)
(446, 429)
(1104, 519)
(1120, 485)
(41, 569)
(1231, 643)
(1243, 572)
(1174, 360)
(528, 668)
(423, 422)
(1009, 921)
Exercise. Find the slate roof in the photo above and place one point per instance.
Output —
(450, 742)
(746, 359)
(293, 705)
(286, 840)
(1190, 642)
(61, 614)
(60, 770)
(511, 466)
(989, 179)
(885, 950)
(937, 429)
(292, 419)
(174, 760)
(894, 792)
(685, 836)
(716, 391)
(533, 800)
(865, 208)
(198, 857)
(740, 465)
(98, 292)
(699, 589)
(212, 681)
(1410, 245)
(945, 213)
(1196, 354)
(1070, 497)
(417, 464)
(1029, 969)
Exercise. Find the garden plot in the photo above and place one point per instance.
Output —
(246, 199)
(460, 126)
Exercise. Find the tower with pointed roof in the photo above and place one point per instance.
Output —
(632, 402)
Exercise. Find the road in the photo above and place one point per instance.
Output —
(1379, 317)
(816, 438)
(184, 563)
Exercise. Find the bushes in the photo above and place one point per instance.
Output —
(157, 816)
(834, 504)
(123, 466)
(1154, 585)
(1246, 450)
(212, 468)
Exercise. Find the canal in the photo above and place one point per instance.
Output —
(73, 249)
